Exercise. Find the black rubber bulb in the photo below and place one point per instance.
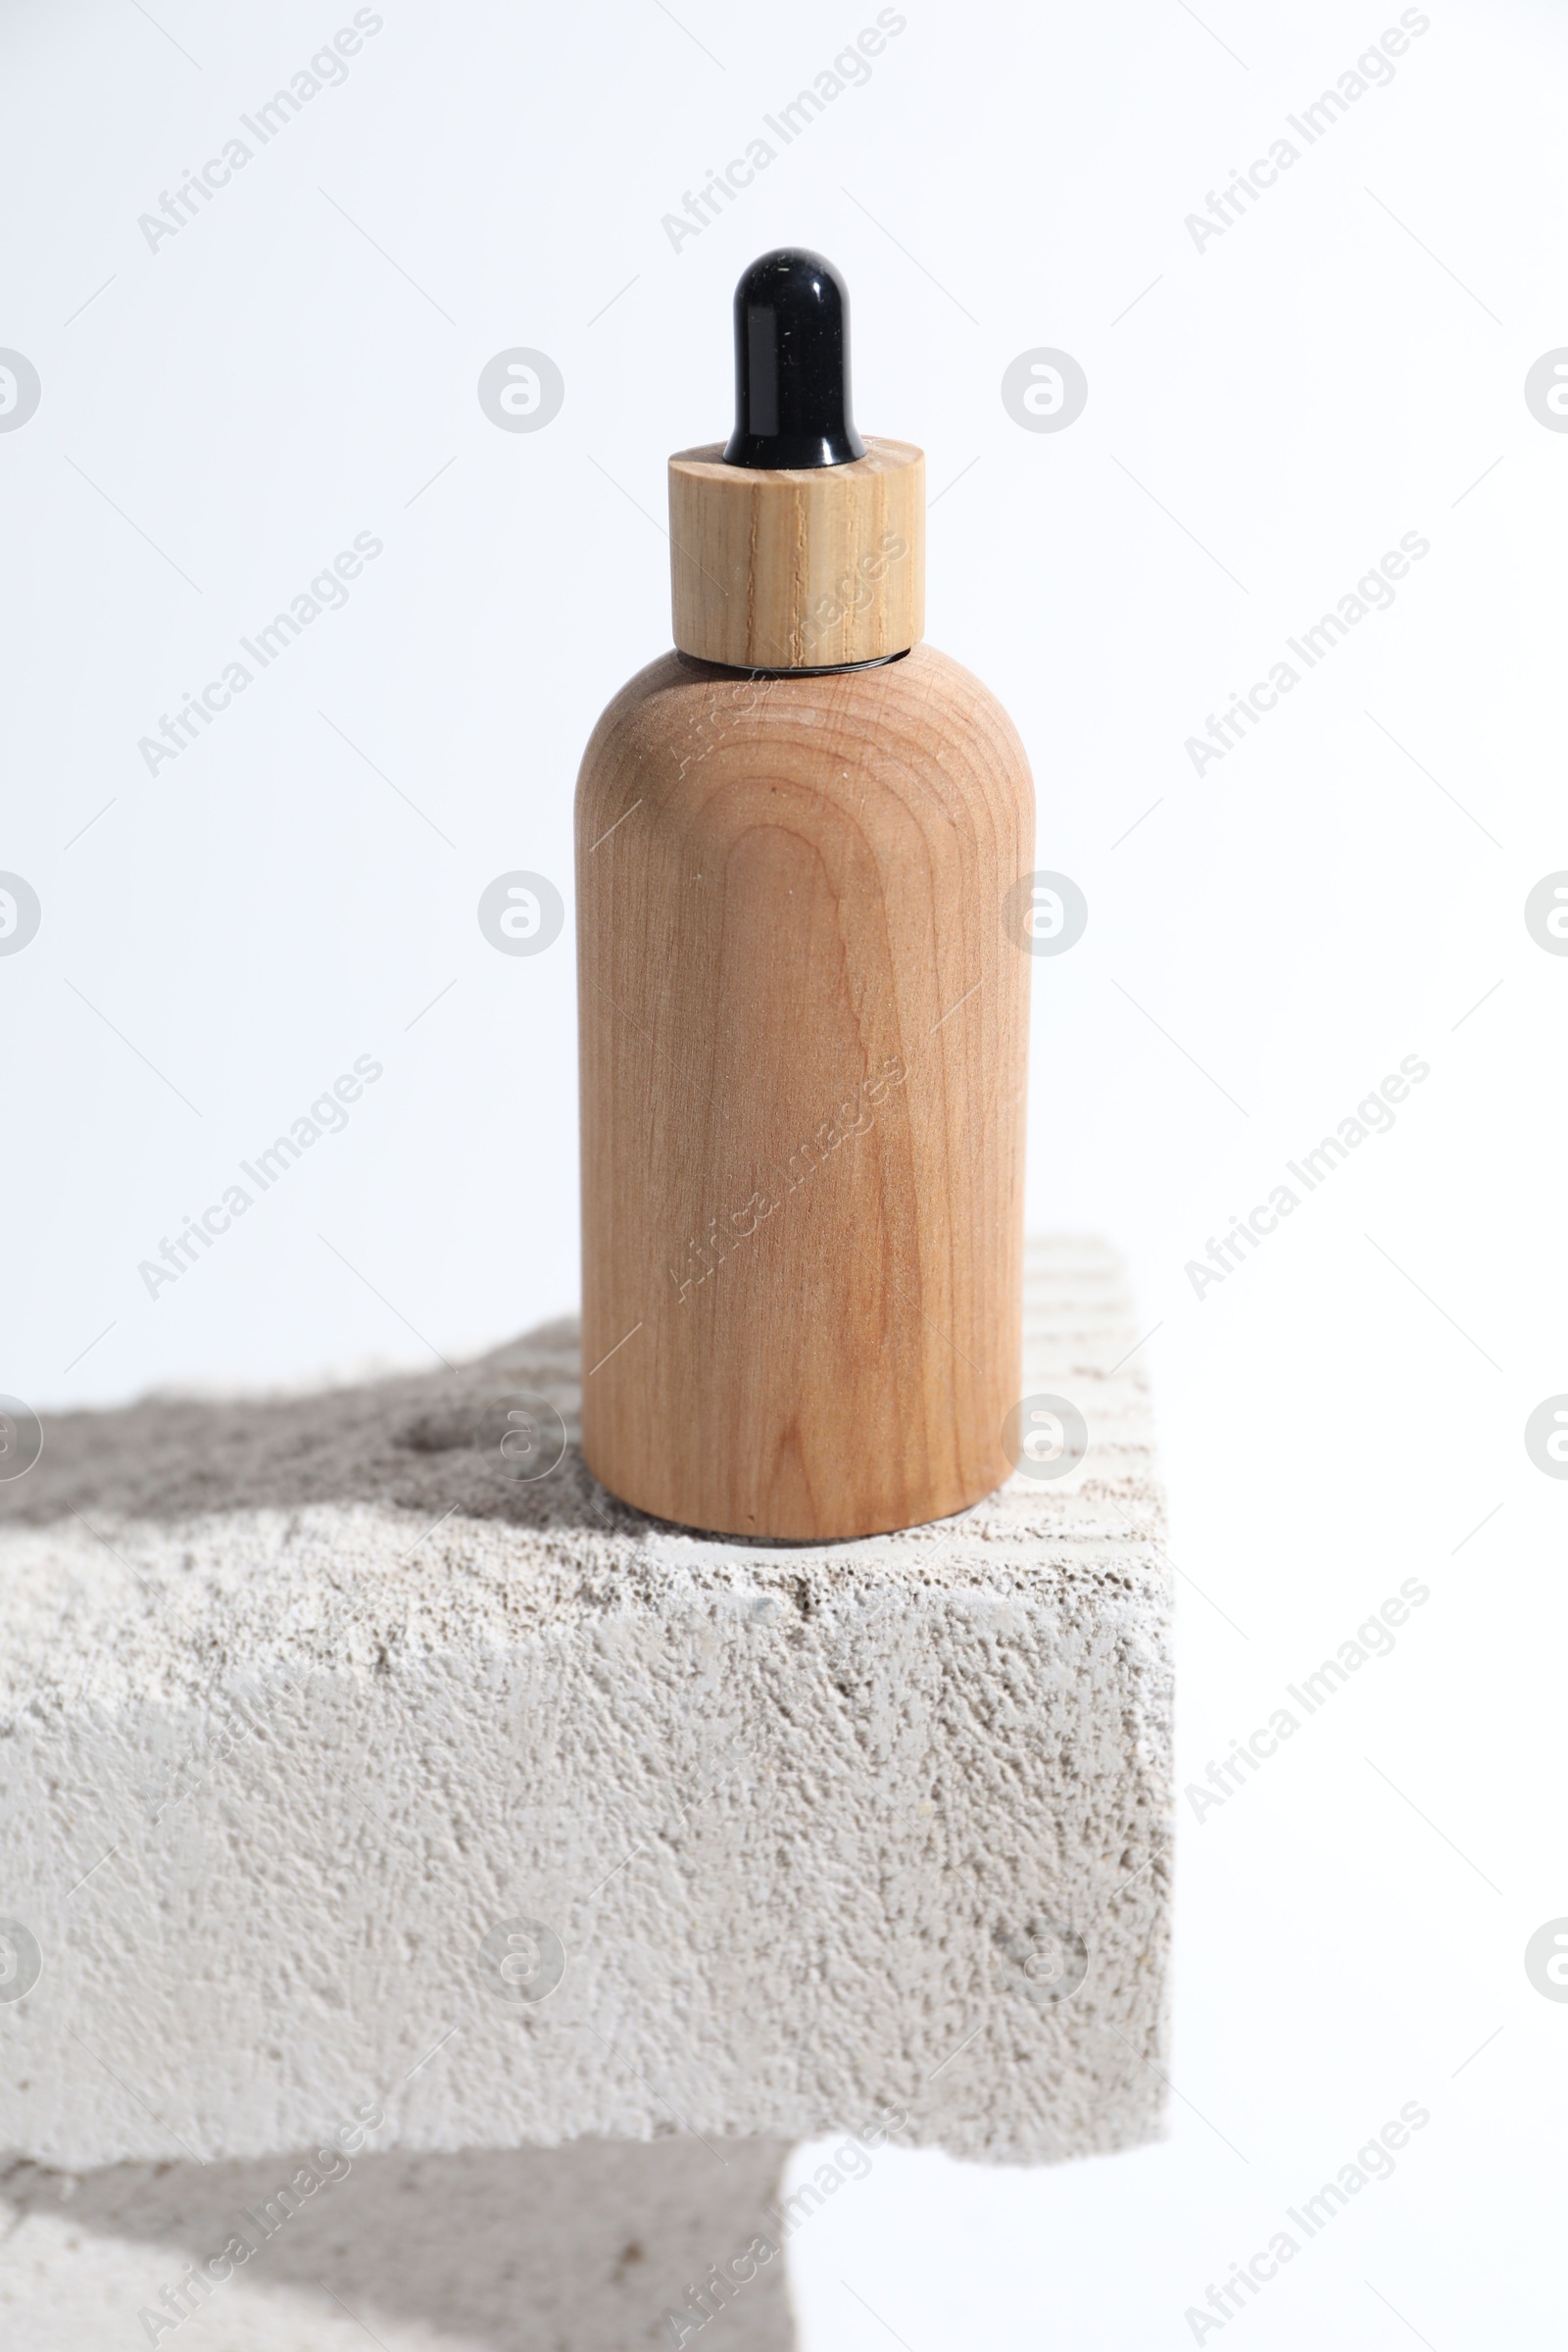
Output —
(792, 365)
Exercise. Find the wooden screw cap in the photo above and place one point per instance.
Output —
(798, 567)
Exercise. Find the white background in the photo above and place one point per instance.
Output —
(1344, 366)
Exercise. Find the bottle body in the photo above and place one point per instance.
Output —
(803, 1041)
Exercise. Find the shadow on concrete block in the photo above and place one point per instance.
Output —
(582, 2248)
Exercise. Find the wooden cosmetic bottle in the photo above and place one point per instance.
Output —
(803, 1018)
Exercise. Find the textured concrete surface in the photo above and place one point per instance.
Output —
(308, 1708)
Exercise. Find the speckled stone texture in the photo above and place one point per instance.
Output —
(309, 1707)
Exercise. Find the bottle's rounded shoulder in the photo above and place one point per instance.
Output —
(641, 714)
(923, 709)
(936, 684)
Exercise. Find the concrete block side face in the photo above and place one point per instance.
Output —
(599, 2247)
(526, 1833)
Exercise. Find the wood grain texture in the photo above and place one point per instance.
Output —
(798, 567)
(803, 1036)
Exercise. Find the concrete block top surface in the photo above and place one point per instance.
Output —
(360, 1752)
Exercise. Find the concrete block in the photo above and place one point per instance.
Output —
(346, 1767)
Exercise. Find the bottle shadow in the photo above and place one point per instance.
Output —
(419, 1442)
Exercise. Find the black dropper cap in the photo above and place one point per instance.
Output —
(792, 365)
